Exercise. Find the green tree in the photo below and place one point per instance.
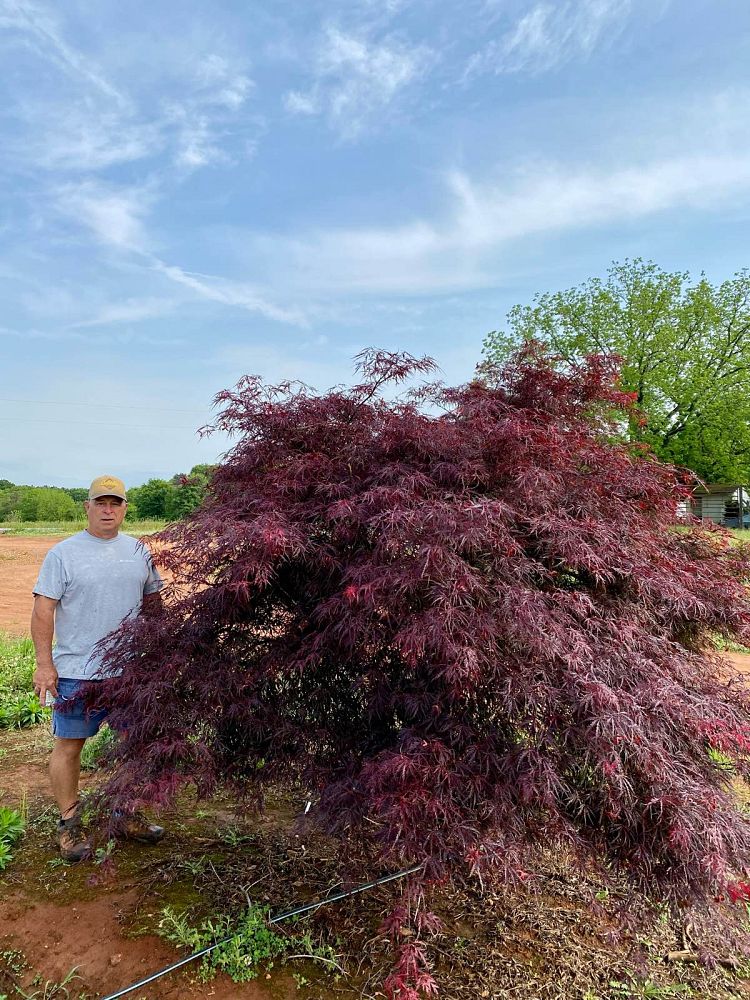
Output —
(152, 499)
(685, 349)
(10, 501)
(47, 503)
(189, 491)
(77, 493)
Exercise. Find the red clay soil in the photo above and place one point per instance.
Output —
(58, 923)
(88, 934)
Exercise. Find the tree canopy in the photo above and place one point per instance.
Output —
(686, 356)
(465, 635)
(169, 499)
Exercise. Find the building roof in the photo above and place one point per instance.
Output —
(705, 489)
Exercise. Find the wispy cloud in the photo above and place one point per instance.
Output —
(229, 293)
(550, 35)
(42, 28)
(91, 124)
(129, 311)
(205, 112)
(68, 334)
(484, 218)
(114, 215)
(76, 140)
(357, 81)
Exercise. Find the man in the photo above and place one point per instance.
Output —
(87, 585)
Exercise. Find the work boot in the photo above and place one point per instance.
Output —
(73, 843)
(135, 826)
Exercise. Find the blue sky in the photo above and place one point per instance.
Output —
(192, 192)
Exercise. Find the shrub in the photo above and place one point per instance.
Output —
(465, 619)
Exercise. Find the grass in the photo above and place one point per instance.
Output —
(71, 527)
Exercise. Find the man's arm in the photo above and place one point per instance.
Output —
(42, 631)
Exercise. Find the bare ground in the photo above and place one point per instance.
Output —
(20, 559)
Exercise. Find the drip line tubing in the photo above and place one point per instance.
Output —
(297, 911)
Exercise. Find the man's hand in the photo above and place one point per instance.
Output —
(42, 630)
(45, 679)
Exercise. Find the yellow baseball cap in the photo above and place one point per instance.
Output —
(107, 486)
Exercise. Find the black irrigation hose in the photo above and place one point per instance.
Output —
(274, 920)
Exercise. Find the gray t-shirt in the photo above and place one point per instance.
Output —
(98, 582)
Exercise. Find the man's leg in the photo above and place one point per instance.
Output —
(65, 772)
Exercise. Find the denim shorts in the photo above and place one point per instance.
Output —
(74, 721)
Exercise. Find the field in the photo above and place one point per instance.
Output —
(22, 548)
(102, 918)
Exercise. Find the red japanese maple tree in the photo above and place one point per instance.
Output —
(464, 619)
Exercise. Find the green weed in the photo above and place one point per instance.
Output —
(16, 666)
(54, 991)
(19, 706)
(251, 942)
(647, 990)
(725, 645)
(14, 960)
(11, 825)
(6, 856)
(22, 711)
(11, 830)
(96, 748)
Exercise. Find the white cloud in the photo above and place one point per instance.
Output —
(129, 311)
(113, 215)
(40, 25)
(221, 83)
(357, 81)
(550, 35)
(483, 219)
(302, 104)
(91, 125)
(116, 218)
(74, 139)
(230, 293)
(203, 114)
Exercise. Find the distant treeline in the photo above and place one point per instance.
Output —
(158, 499)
